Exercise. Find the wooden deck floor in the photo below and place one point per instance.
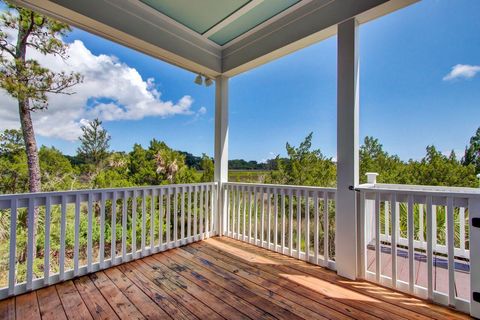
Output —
(216, 279)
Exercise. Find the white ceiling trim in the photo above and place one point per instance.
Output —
(231, 18)
(166, 18)
(301, 28)
(277, 29)
(264, 24)
(242, 11)
(204, 37)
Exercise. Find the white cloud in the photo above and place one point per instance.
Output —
(197, 115)
(202, 110)
(464, 71)
(111, 91)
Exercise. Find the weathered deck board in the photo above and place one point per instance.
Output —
(95, 302)
(7, 309)
(158, 295)
(217, 305)
(179, 293)
(27, 306)
(122, 306)
(220, 278)
(49, 304)
(72, 302)
(230, 298)
(135, 295)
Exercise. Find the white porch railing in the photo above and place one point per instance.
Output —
(164, 217)
(411, 226)
(297, 221)
(409, 233)
(461, 245)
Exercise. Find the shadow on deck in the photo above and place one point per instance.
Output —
(215, 279)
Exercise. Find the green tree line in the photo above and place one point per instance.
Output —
(304, 166)
(95, 166)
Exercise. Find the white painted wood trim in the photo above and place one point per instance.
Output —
(234, 16)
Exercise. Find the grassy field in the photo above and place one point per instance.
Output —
(252, 176)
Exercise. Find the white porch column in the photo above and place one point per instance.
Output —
(347, 149)
(221, 145)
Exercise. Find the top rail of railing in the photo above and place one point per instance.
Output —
(281, 186)
(67, 192)
(70, 195)
(420, 189)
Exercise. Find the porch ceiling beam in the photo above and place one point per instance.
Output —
(309, 24)
(135, 25)
(237, 14)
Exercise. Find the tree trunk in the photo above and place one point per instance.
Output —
(34, 181)
(35, 184)
(31, 147)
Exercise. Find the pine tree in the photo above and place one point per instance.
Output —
(26, 80)
(11, 142)
(94, 144)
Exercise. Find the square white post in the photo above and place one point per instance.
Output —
(221, 146)
(347, 150)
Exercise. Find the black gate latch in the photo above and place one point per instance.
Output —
(476, 296)
(476, 222)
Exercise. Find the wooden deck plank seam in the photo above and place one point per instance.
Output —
(81, 297)
(110, 302)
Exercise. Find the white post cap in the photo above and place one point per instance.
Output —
(371, 177)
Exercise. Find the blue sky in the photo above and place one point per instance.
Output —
(404, 99)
